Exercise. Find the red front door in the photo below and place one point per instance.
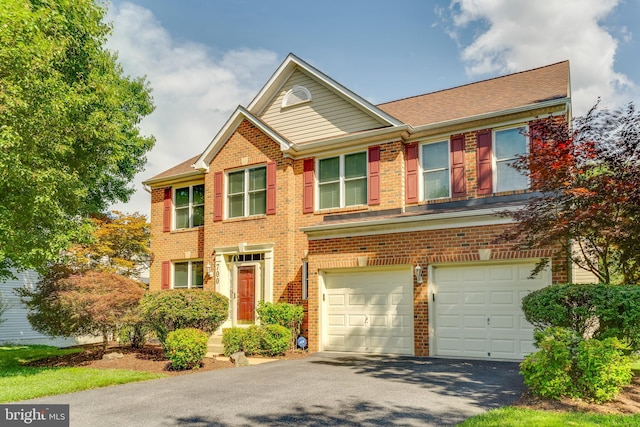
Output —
(246, 294)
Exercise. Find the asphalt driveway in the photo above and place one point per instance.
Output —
(322, 389)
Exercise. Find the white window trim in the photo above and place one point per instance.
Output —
(341, 181)
(296, 88)
(190, 207)
(422, 171)
(245, 191)
(495, 160)
(189, 273)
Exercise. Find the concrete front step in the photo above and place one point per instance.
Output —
(214, 346)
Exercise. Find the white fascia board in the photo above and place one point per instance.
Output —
(225, 132)
(187, 176)
(545, 104)
(438, 221)
(285, 70)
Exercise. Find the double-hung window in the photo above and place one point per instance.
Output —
(188, 274)
(189, 206)
(508, 144)
(435, 170)
(342, 181)
(247, 192)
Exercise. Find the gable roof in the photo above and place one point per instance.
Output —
(501, 93)
(284, 71)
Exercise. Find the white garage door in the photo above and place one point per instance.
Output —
(477, 310)
(369, 312)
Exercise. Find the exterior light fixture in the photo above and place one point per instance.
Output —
(209, 272)
(418, 271)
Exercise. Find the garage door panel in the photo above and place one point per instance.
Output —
(478, 309)
(357, 300)
(378, 312)
(473, 298)
(336, 320)
(337, 300)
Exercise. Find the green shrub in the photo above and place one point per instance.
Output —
(275, 340)
(600, 311)
(269, 340)
(603, 368)
(248, 340)
(547, 372)
(167, 311)
(186, 347)
(284, 314)
(252, 343)
(232, 339)
(568, 365)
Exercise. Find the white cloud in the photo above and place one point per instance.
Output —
(194, 90)
(518, 35)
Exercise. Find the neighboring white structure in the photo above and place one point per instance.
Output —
(16, 329)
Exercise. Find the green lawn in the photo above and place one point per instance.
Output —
(19, 382)
(516, 417)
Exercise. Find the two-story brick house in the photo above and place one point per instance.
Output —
(379, 219)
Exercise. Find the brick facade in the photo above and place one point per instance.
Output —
(285, 245)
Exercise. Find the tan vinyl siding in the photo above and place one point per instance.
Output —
(327, 115)
(580, 275)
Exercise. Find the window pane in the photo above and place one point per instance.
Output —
(258, 203)
(435, 156)
(257, 179)
(181, 275)
(509, 143)
(329, 169)
(329, 195)
(198, 194)
(198, 216)
(510, 179)
(182, 217)
(236, 206)
(355, 165)
(197, 275)
(236, 182)
(355, 192)
(182, 196)
(436, 184)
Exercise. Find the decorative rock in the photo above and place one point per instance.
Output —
(112, 356)
(239, 359)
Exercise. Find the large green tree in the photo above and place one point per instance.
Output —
(69, 137)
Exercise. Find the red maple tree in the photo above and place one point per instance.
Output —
(586, 184)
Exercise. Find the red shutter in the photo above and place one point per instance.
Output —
(458, 187)
(411, 175)
(485, 162)
(374, 176)
(166, 211)
(217, 196)
(271, 188)
(165, 276)
(307, 176)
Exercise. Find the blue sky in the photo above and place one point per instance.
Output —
(204, 57)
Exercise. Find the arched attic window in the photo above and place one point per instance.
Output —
(296, 95)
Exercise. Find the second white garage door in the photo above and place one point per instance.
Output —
(477, 310)
(368, 312)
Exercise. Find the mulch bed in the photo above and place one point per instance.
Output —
(150, 358)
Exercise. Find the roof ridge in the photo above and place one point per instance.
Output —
(473, 83)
